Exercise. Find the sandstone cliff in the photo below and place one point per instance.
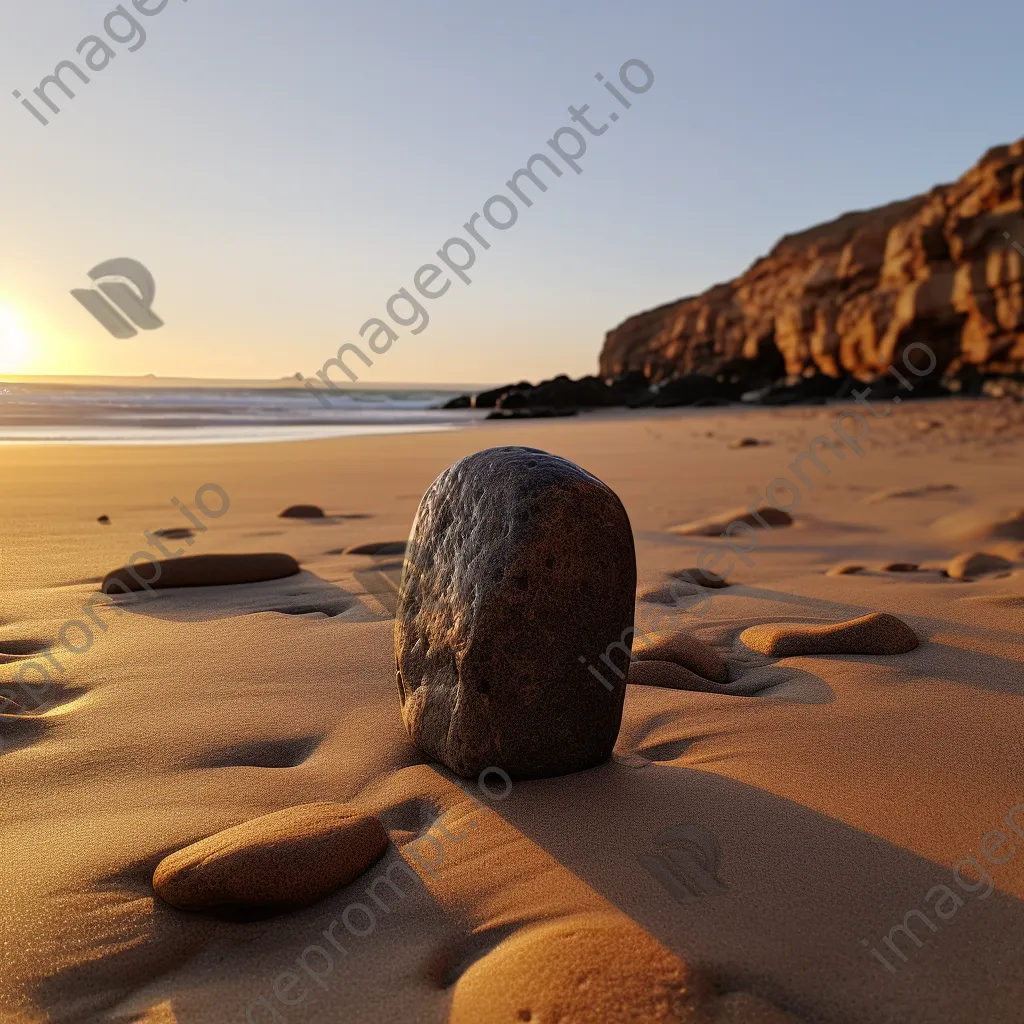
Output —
(850, 295)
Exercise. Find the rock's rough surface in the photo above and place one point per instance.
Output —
(852, 295)
(520, 572)
(845, 569)
(684, 649)
(286, 859)
(976, 563)
(876, 633)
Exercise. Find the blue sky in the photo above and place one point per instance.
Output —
(282, 169)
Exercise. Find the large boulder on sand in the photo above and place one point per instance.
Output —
(520, 574)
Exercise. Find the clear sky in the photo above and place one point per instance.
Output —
(282, 168)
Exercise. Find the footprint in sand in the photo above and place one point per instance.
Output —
(971, 564)
(682, 649)
(764, 517)
(20, 650)
(701, 578)
(1006, 523)
(876, 633)
(202, 571)
(927, 491)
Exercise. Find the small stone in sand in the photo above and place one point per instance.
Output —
(845, 569)
(302, 512)
(103, 519)
(174, 533)
(279, 861)
(526, 574)
(672, 676)
(701, 578)
(747, 442)
(898, 567)
(875, 633)
(581, 970)
(684, 649)
(378, 547)
(970, 564)
(201, 571)
(765, 517)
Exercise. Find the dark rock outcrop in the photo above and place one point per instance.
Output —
(849, 296)
(520, 571)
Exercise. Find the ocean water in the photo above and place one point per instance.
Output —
(32, 413)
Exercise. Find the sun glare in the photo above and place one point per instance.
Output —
(14, 347)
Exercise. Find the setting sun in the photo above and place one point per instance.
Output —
(14, 345)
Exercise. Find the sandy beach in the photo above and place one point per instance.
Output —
(824, 800)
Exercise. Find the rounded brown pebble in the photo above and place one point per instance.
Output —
(670, 676)
(703, 579)
(683, 649)
(845, 569)
(103, 519)
(302, 512)
(747, 442)
(202, 571)
(285, 859)
(596, 968)
(976, 563)
(876, 633)
(717, 525)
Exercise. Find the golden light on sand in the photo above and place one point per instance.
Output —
(14, 343)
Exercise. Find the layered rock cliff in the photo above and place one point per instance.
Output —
(850, 295)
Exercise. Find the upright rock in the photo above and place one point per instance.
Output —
(520, 572)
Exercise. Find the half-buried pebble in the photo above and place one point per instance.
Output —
(703, 579)
(845, 569)
(201, 571)
(286, 859)
(302, 512)
(684, 649)
(671, 676)
(596, 968)
(765, 517)
(378, 547)
(971, 564)
(898, 567)
(581, 970)
(525, 574)
(876, 633)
